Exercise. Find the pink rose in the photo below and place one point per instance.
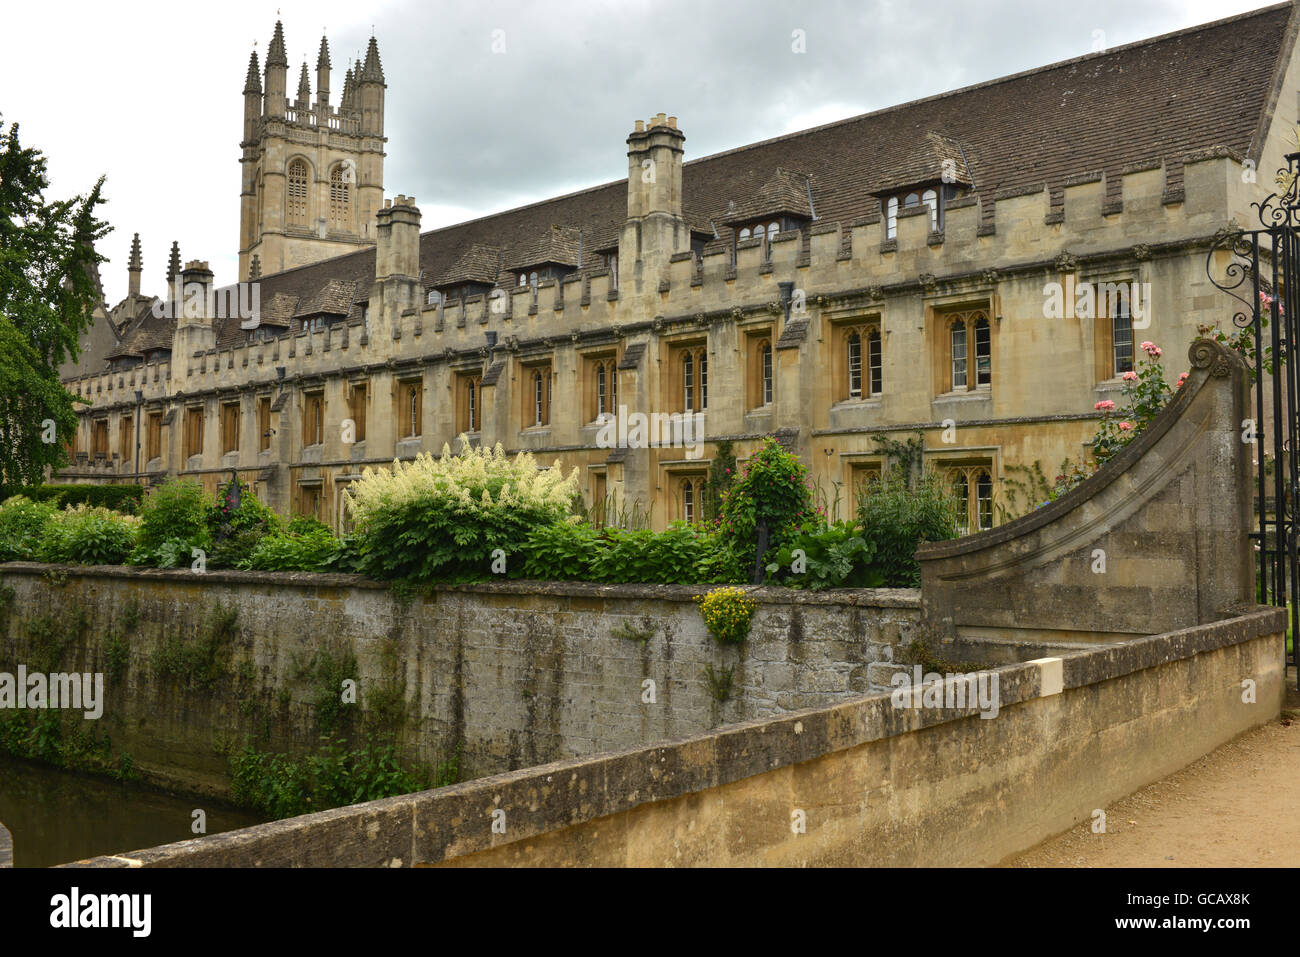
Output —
(1129, 376)
(1125, 426)
(1105, 405)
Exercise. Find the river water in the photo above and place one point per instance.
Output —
(57, 816)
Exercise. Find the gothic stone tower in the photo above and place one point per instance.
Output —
(313, 175)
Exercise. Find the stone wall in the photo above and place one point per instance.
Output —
(858, 783)
(518, 673)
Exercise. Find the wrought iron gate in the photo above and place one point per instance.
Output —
(1261, 269)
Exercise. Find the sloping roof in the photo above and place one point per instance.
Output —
(559, 244)
(478, 263)
(1163, 98)
(334, 298)
(142, 331)
(785, 192)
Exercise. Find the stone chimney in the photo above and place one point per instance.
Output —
(397, 262)
(655, 228)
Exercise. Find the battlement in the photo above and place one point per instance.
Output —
(1090, 214)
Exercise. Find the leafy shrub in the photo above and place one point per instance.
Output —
(772, 490)
(120, 498)
(173, 520)
(300, 548)
(236, 531)
(670, 557)
(722, 474)
(280, 786)
(23, 526)
(1145, 393)
(727, 614)
(896, 519)
(89, 536)
(561, 551)
(833, 556)
(441, 519)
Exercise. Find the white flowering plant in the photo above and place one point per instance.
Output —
(443, 518)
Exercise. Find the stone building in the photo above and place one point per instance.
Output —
(928, 267)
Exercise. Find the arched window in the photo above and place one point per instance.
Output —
(758, 231)
(931, 199)
(523, 279)
(688, 378)
(434, 297)
(961, 488)
(959, 354)
(855, 366)
(891, 218)
(983, 353)
(984, 501)
(744, 233)
(772, 230)
(1122, 335)
(765, 357)
(340, 200)
(532, 279)
(874, 363)
(541, 397)
(296, 197)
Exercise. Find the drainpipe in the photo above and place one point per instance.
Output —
(139, 400)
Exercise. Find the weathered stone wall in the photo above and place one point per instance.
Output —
(1157, 540)
(874, 784)
(519, 673)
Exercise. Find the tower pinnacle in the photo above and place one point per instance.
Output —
(254, 82)
(374, 70)
(275, 55)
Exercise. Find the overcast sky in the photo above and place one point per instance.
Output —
(150, 94)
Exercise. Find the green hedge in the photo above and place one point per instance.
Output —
(120, 498)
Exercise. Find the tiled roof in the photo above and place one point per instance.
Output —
(142, 332)
(785, 192)
(559, 244)
(478, 263)
(335, 298)
(1164, 98)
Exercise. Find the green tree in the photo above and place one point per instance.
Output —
(47, 295)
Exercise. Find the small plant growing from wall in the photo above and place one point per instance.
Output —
(720, 682)
(636, 632)
(727, 614)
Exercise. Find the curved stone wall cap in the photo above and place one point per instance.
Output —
(1209, 360)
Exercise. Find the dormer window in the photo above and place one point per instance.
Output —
(765, 230)
(609, 261)
(911, 200)
(433, 298)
